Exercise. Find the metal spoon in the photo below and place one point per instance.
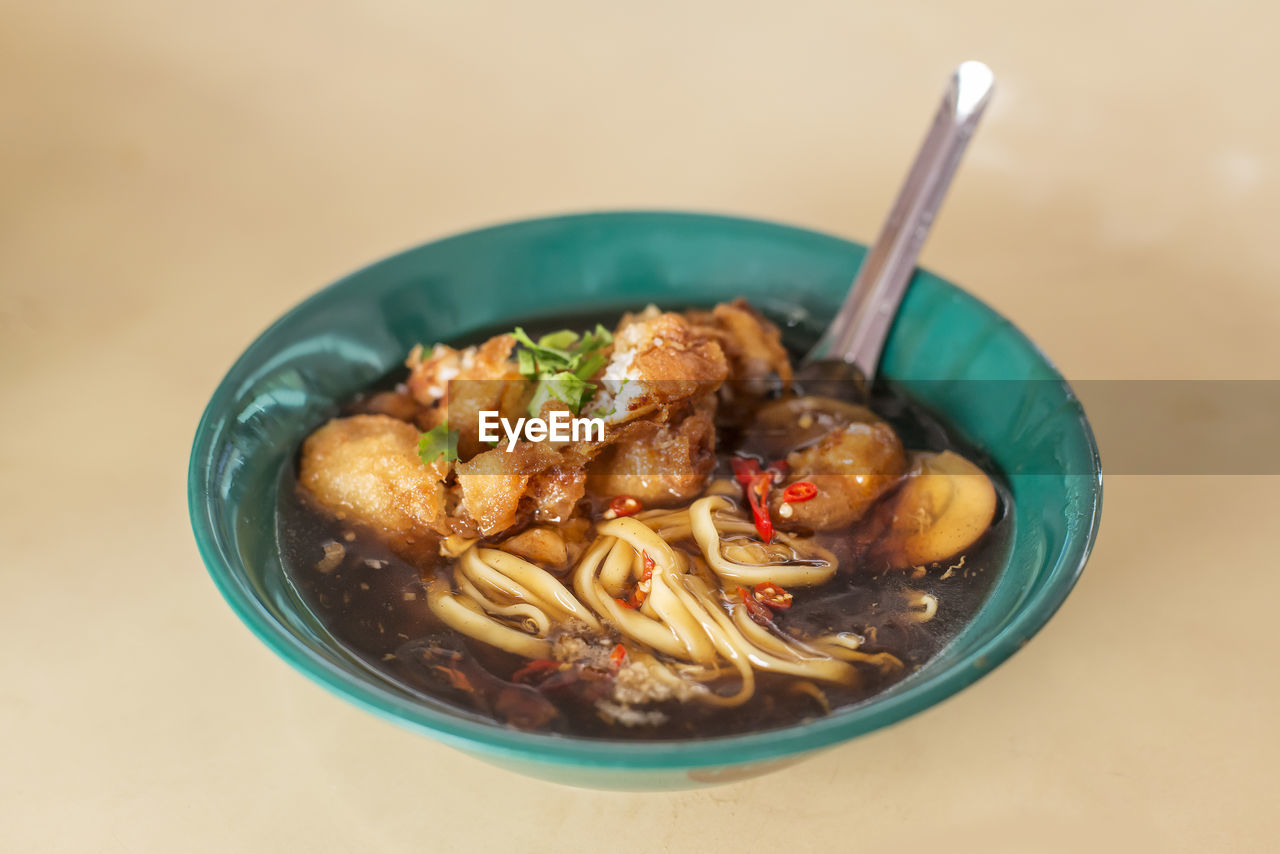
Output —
(850, 348)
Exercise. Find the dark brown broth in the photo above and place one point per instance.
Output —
(374, 603)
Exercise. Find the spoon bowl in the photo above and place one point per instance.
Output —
(843, 363)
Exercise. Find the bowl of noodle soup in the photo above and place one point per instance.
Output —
(958, 378)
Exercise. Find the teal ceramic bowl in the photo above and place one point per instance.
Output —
(955, 355)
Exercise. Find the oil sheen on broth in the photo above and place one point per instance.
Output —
(370, 590)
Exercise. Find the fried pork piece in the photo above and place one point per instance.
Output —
(851, 467)
(660, 368)
(462, 383)
(659, 360)
(751, 343)
(555, 491)
(659, 464)
(491, 492)
(367, 466)
(536, 480)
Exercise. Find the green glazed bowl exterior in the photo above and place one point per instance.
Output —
(352, 333)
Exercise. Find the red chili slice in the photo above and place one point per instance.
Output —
(801, 490)
(772, 595)
(625, 505)
(618, 656)
(641, 592)
(756, 611)
(744, 470)
(758, 498)
(755, 483)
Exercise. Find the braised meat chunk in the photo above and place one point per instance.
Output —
(851, 468)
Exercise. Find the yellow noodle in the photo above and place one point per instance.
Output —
(628, 622)
(789, 660)
(723, 486)
(641, 538)
(675, 525)
(617, 571)
(466, 617)
(825, 669)
(684, 617)
(668, 607)
(496, 585)
(885, 662)
(708, 537)
(535, 621)
(542, 583)
(724, 645)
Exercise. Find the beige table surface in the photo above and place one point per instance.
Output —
(175, 175)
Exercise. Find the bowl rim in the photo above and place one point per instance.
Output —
(555, 749)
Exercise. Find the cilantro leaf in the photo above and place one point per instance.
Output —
(561, 363)
(526, 363)
(542, 357)
(436, 442)
(565, 387)
(590, 365)
(560, 341)
(595, 340)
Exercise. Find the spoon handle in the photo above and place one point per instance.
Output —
(857, 333)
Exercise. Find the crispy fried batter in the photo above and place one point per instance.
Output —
(659, 361)
(367, 466)
(656, 397)
(462, 383)
(751, 343)
(659, 464)
(536, 479)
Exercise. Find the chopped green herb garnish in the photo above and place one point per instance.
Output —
(561, 341)
(561, 363)
(438, 441)
(590, 365)
(526, 363)
(565, 387)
